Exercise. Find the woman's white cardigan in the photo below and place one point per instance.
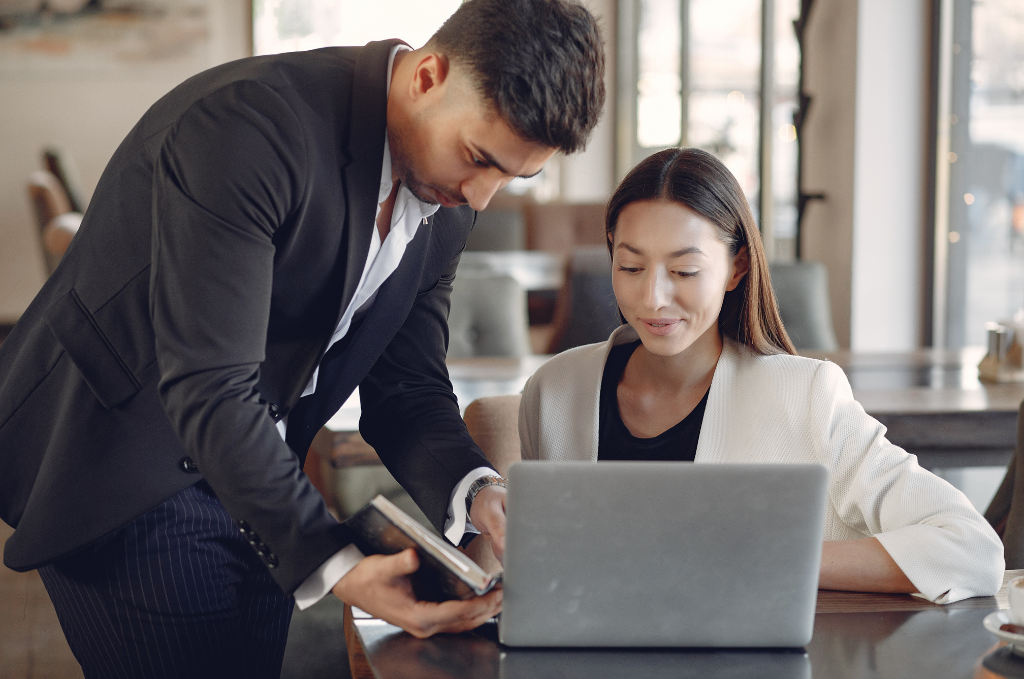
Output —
(784, 409)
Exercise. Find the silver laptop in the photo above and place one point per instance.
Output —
(662, 554)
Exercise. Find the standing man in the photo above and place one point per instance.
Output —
(266, 239)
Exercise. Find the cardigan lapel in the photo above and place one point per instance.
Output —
(583, 436)
(738, 417)
(720, 428)
(718, 420)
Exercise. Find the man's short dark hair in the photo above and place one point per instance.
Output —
(539, 62)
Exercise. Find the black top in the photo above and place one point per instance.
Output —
(615, 442)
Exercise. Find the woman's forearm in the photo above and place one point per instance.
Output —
(861, 566)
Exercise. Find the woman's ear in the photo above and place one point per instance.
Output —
(740, 267)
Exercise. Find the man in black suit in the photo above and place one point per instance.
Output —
(265, 240)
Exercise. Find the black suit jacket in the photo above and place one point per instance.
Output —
(224, 240)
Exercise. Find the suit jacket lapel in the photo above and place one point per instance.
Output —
(366, 154)
(339, 376)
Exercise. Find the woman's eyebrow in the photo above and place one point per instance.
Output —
(692, 250)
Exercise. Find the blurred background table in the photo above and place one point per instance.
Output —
(532, 269)
(931, 402)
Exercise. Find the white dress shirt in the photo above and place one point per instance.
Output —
(382, 261)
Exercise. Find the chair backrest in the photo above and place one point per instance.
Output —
(1006, 510)
(560, 227)
(57, 224)
(801, 289)
(48, 197)
(586, 311)
(488, 317)
(57, 237)
(62, 165)
(493, 422)
(497, 230)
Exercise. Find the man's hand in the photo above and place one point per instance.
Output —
(380, 586)
(488, 515)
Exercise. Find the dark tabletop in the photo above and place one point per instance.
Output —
(855, 636)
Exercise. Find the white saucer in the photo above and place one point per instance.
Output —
(992, 623)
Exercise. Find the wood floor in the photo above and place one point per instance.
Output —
(32, 645)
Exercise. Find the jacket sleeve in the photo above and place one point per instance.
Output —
(929, 528)
(409, 412)
(228, 174)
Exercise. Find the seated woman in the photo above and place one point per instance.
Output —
(704, 371)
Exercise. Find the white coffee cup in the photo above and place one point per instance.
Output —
(1015, 592)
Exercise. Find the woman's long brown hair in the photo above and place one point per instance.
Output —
(699, 181)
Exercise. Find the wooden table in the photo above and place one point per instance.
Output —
(931, 402)
(855, 636)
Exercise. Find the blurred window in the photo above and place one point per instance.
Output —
(659, 85)
(784, 146)
(702, 89)
(725, 67)
(291, 25)
(986, 204)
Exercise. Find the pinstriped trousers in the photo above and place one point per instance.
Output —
(176, 593)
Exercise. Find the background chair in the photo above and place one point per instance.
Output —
(493, 422)
(1006, 511)
(48, 196)
(488, 317)
(62, 165)
(561, 227)
(57, 223)
(498, 230)
(586, 311)
(801, 289)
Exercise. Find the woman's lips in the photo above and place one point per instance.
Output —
(659, 326)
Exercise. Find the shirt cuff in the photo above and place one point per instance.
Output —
(458, 523)
(323, 579)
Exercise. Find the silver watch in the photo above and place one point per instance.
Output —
(480, 484)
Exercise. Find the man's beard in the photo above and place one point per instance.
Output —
(401, 167)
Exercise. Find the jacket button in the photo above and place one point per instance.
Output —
(275, 412)
(188, 466)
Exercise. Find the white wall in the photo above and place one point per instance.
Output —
(889, 174)
(828, 146)
(88, 112)
(589, 177)
(864, 140)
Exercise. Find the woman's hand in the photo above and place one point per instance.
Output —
(861, 566)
